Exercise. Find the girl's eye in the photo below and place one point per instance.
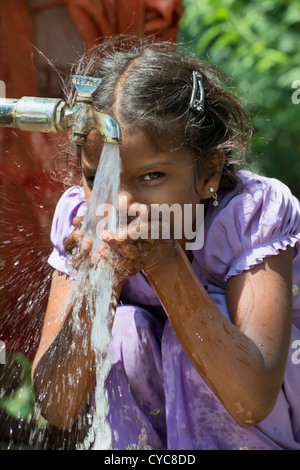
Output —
(152, 176)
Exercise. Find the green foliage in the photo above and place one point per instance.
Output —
(257, 44)
(20, 404)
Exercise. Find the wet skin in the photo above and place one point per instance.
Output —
(251, 349)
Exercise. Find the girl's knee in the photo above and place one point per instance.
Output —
(136, 342)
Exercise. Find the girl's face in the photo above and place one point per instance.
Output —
(149, 176)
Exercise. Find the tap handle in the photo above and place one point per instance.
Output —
(53, 114)
(86, 87)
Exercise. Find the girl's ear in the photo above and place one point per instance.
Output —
(214, 173)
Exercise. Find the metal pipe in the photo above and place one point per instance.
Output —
(53, 114)
(7, 110)
(31, 114)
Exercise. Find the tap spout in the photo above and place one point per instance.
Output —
(53, 115)
(83, 117)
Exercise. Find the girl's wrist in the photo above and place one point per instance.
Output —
(165, 258)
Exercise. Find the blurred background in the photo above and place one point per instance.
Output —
(256, 43)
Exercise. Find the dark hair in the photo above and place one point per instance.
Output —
(148, 84)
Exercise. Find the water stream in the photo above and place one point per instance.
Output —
(25, 275)
(96, 284)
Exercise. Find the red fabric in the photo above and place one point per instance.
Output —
(110, 17)
(28, 194)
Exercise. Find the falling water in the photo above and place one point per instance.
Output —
(25, 276)
(27, 202)
(96, 285)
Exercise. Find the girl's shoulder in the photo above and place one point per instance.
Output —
(263, 190)
(259, 201)
(255, 220)
(71, 204)
(71, 195)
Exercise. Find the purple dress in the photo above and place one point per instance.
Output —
(157, 398)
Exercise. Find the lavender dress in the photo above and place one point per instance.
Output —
(157, 399)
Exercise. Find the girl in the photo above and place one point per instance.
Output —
(203, 341)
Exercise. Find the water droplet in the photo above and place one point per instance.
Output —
(198, 336)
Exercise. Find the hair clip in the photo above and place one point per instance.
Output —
(197, 99)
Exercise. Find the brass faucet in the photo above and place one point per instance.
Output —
(53, 114)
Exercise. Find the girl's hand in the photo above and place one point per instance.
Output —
(77, 245)
(131, 254)
(127, 253)
(80, 247)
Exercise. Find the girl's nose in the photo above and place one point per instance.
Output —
(125, 197)
(125, 200)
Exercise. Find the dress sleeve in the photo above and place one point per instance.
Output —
(256, 223)
(72, 203)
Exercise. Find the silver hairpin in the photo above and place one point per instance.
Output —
(198, 98)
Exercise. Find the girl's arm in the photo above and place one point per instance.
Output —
(63, 370)
(243, 362)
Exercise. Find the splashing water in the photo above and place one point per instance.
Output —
(96, 286)
(27, 203)
(26, 214)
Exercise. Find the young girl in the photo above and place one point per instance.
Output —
(204, 341)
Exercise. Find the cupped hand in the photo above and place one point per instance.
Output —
(130, 256)
(126, 251)
(78, 246)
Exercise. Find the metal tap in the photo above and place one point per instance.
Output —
(53, 114)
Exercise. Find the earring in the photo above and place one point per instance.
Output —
(214, 196)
